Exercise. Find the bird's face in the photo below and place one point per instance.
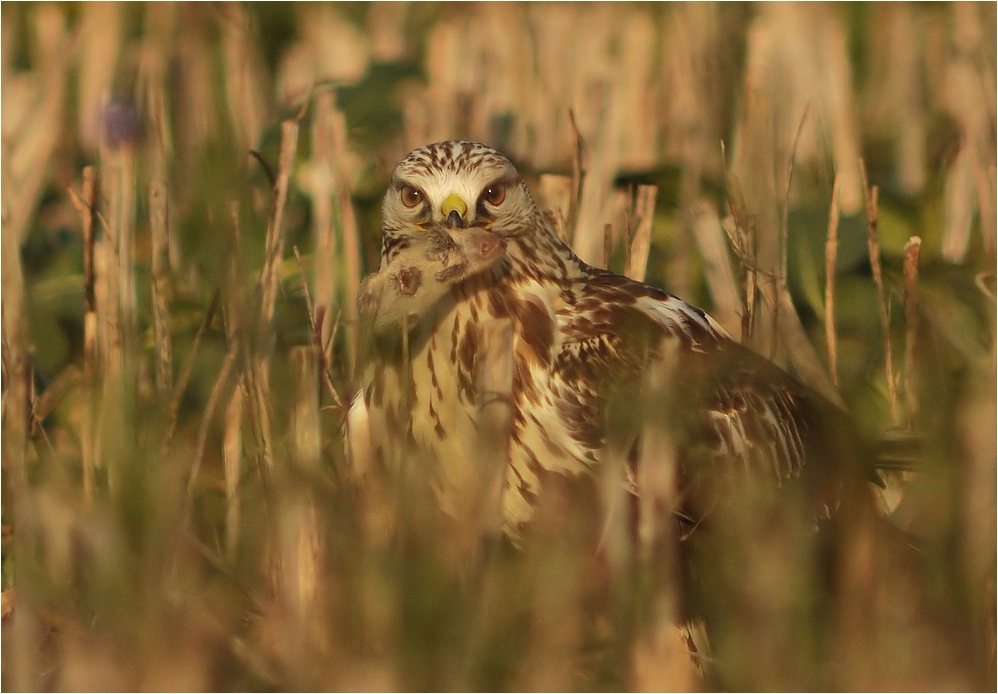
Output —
(452, 187)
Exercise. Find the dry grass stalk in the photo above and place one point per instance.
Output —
(874, 245)
(661, 657)
(160, 24)
(322, 190)
(244, 77)
(185, 376)
(306, 447)
(269, 283)
(911, 254)
(986, 204)
(596, 189)
(50, 398)
(114, 279)
(784, 240)
(17, 395)
(640, 241)
(232, 442)
(607, 246)
(27, 153)
(831, 252)
(121, 204)
(555, 196)
(218, 391)
(232, 457)
(159, 231)
(270, 279)
(101, 39)
(16, 411)
(709, 237)
(87, 207)
(305, 429)
(801, 353)
(578, 174)
(319, 326)
(343, 182)
(741, 232)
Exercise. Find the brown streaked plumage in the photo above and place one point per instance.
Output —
(581, 337)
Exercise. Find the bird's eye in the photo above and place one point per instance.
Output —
(411, 197)
(495, 194)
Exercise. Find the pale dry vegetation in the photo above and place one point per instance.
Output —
(180, 330)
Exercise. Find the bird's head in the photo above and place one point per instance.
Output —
(454, 186)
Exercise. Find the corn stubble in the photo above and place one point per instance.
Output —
(178, 512)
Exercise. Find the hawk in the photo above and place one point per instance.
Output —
(577, 340)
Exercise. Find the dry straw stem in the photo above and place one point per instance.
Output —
(596, 189)
(116, 310)
(46, 403)
(316, 322)
(269, 281)
(185, 376)
(781, 273)
(555, 194)
(232, 442)
(303, 547)
(740, 230)
(322, 190)
(607, 245)
(159, 230)
(274, 249)
(217, 392)
(120, 180)
(911, 254)
(348, 228)
(87, 208)
(232, 456)
(709, 237)
(26, 154)
(831, 251)
(878, 280)
(22, 630)
(575, 199)
(640, 242)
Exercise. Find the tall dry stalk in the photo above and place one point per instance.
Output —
(16, 413)
(173, 410)
(347, 222)
(831, 252)
(873, 244)
(115, 274)
(160, 233)
(269, 284)
(86, 205)
(639, 242)
(709, 236)
(783, 244)
(911, 254)
(326, 258)
(237, 338)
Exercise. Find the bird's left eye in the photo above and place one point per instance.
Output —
(495, 194)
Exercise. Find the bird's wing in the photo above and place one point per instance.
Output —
(734, 415)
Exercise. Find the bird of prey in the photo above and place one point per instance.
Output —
(577, 340)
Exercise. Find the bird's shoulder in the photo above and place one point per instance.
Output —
(606, 316)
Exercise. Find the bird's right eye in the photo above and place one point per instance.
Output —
(410, 196)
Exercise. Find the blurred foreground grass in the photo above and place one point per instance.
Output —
(176, 513)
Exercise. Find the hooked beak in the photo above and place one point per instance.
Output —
(454, 210)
